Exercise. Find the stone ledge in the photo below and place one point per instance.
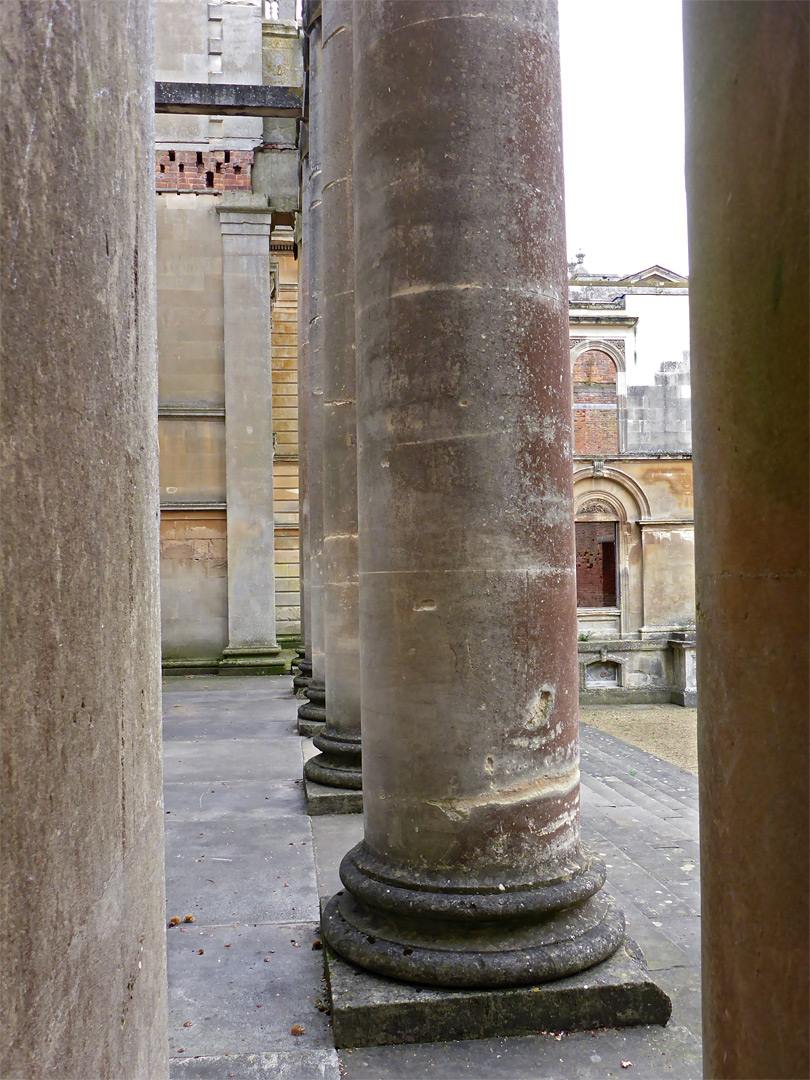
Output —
(369, 1010)
(331, 800)
(253, 664)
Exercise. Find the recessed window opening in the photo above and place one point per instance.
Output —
(597, 577)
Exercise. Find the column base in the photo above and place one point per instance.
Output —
(322, 800)
(339, 764)
(417, 927)
(300, 682)
(312, 714)
(256, 661)
(370, 1010)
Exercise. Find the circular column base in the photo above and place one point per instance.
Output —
(301, 682)
(520, 936)
(316, 692)
(340, 762)
(314, 709)
(314, 713)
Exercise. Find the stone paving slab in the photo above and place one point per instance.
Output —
(256, 870)
(235, 1001)
(256, 809)
(226, 798)
(261, 758)
(656, 1053)
(300, 1065)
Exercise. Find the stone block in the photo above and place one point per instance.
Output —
(330, 800)
(369, 1010)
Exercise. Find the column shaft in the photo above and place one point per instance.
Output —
(338, 764)
(252, 646)
(471, 871)
(302, 678)
(314, 710)
(83, 951)
(747, 154)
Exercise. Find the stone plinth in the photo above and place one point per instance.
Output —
(684, 663)
(368, 1010)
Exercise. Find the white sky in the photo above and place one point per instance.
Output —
(623, 133)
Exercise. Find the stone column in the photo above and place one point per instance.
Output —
(471, 872)
(338, 764)
(252, 648)
(312, 713)
(304, 663)
(747, 156)
(82, 958)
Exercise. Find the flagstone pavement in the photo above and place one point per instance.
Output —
(245, 860)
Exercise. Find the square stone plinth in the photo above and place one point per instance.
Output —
(329, 800)
(308, 728)
(369, 1010)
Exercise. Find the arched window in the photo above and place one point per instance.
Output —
(597, 555)
(600, 396)
(596, 403)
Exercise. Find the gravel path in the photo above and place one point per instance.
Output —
(668, 731)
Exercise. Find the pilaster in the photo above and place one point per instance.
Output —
(246, 224)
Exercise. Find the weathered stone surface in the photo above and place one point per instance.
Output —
(339, 762)
(747, 71)
(368, 1010)
(252, 646)
(323, 799)
(224, 99)
(313, 380)
(83, 959)
(471, 871)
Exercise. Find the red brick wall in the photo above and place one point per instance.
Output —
(203, 171)
(596, 564)
(596, 431)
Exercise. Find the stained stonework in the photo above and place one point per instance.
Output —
(83, 965)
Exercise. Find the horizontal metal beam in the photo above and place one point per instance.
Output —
(227, 99)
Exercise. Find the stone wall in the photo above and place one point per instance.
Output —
(659, 417)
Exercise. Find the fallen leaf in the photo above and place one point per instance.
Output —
(297, 1029)
(627, 1064)
(200, 951)
(187, 1023)
(174, 920)
(228, 945)
(317, 944)
(189, 918)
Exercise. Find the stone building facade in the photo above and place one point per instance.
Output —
(226, 193)
(633, 485)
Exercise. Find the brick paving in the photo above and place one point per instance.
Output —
(246, 861)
